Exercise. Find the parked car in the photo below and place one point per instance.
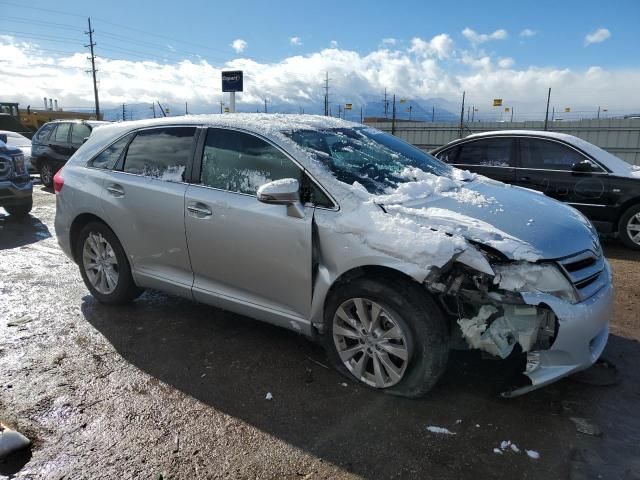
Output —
(342, 233)
(54, 143)
(15, 183)
(603, 187)
(18, 140)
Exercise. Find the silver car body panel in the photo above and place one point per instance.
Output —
(231, 251)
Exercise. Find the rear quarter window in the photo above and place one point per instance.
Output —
(44, 132)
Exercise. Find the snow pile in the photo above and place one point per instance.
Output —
(441, 430)
(423, 184)
(533, 454)
(400, 236)
(635, 171)
(278, 186)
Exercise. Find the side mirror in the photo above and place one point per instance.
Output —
(583, 167)
(3, 137)
(283, 192)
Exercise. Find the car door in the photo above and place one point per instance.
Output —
(547, 165)
(247, 256)
(492, 157)
(143, 201)
(79, 131)
(59, 151)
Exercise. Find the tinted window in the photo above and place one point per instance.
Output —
(240, 162)
(491, 152)
(109, 157)
(43, 133)
(547, 155)
(161, 153)
(449, 155)
(62, 133)
(79, 132)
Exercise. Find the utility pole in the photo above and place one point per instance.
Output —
(598, 112)
(93, 68)
(153, 107)
(386, 105)
(361, 117)
(553, 114)
(162, 110)
(462, 115)
(546, 117)
(473, 113)
(186, 109)
(468, 113)
(221, 105)
(326, 94)
(512, 114)
(124, 114)
(410, 109)
(265, 105)
(433, 113)
(393, 118)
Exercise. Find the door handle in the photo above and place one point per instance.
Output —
(199, 209)
(115, 190)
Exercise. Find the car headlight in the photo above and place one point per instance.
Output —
(531, 277)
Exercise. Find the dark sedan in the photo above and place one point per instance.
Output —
(603, 187)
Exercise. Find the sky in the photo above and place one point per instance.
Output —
(173, 52)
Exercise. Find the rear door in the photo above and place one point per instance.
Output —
(246, 255)
(143, 199)
(79, 131)
(59, 146)
(547, 166)
(492, 157)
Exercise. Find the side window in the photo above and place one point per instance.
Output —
(449, 155)
(161, 153)
(61, 134)
(490, 152)
(547, 155)
(79, 132)
(240, 162)
(110, 156)
(44, 132)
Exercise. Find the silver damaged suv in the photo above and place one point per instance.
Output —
(340, 232)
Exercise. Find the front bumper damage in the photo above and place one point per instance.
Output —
(557, 337)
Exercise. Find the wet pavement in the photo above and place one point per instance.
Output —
(173, 388)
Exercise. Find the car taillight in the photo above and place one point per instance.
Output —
(58, 181)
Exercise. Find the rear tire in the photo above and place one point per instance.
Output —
(104, 266)
(412, 319)
(46, 173)
(20, 210)
(629, 227)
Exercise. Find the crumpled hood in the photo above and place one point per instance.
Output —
(522, 224)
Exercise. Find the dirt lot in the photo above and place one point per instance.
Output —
(173, 388)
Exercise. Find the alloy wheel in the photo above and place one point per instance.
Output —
(370, 342)
(633, 228)
(100, 263)
(46, 173)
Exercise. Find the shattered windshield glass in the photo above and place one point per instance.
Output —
(367, 156)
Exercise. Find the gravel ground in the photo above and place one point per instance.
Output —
(173, 388)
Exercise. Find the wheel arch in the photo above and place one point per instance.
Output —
(623, 209)
(78, 224)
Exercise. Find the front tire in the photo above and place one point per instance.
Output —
(629, 227)
(20, 210)
(387, 335)
(46, 173)
(104, 266)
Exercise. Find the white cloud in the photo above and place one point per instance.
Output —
(389, 42)
(477, 38)
(333, 44)
(295, 41)
(597, 36)
(239, 45)
(439, 46)
(506, 62)
(28, 74)
(527, 32)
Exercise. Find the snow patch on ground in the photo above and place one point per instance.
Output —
(441, 430)
(533, 454)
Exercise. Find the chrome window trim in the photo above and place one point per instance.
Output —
(586, 204)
